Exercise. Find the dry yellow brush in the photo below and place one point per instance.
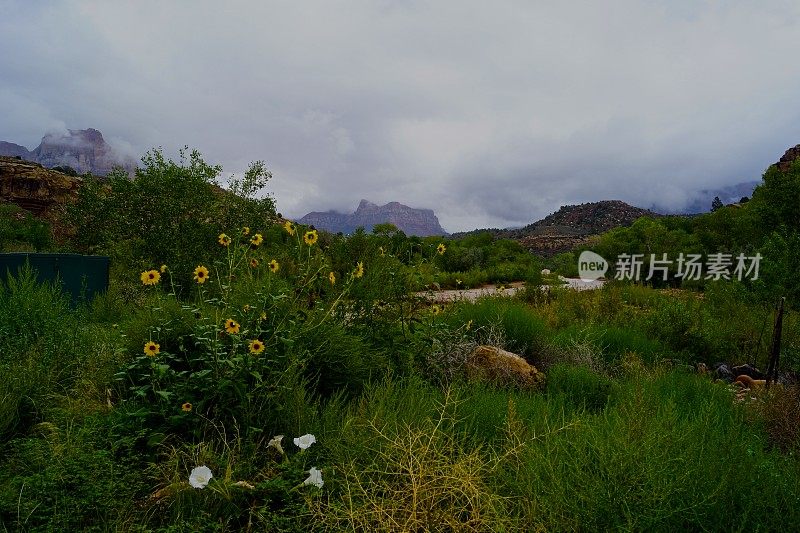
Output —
(421, 475)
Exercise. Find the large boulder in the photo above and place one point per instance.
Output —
(489, 363)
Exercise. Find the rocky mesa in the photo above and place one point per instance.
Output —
(419, 222)
(84, 151)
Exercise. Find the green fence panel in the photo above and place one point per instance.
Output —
(80, 276)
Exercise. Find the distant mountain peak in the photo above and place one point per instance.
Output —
(364, 204)
(411, 221)
(86, 151)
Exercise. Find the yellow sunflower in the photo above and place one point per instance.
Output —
(246, 308)
(359, 270)
(200, 274)
(274, 266)
(231, 326)
(256, 346)
(254, 263)
(245, 231)
(436, 309)
(151, 348)
(289, 227)
(310, 237)
(332, 278)
(441, 248)
(257, 240)
(224, 240)
(186, 407)
(150, 277)
(163, 268)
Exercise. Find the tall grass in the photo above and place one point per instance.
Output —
(668, 451)
(42, 344)
(521, 327)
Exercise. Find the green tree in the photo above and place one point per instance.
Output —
(777, 199)
(170, 212)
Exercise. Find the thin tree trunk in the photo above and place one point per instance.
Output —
(772, 369)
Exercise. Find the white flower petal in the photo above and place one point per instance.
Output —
(200, 477)
(304, 441)
(314, 478)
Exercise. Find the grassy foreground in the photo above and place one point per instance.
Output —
(105, 410)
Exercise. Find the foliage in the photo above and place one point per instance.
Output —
(170, 213)
(227, 352)
(20, 231)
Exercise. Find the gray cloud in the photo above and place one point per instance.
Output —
(491, 113)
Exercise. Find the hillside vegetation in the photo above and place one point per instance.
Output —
(245, 373)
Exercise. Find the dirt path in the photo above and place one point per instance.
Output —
(454, 295)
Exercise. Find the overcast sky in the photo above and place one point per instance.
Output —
(493, 114)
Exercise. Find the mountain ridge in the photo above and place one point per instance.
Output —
(570, 226)
(411, 221)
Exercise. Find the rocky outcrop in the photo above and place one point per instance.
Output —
(788, 158)
(489, 363)
(587, 219)
(571, 226)
(83, 150)
(419, 222)
(35, 188)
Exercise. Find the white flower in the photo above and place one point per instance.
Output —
(305, 441)
(276, 443)
(200, 477)
(314, 478)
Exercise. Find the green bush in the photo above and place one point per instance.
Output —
(581, 387)
(613, 342)
(522, 330)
